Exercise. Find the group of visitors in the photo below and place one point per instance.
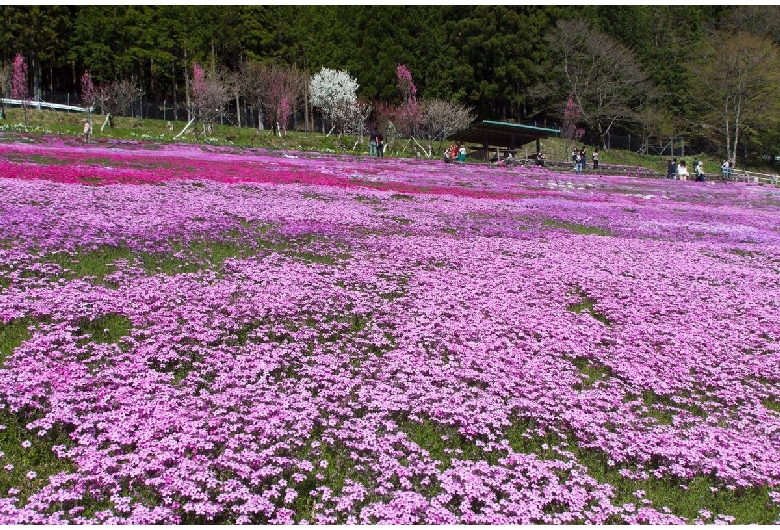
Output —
(376, 143)
(456, 152)
(580, 157)
(679, 170)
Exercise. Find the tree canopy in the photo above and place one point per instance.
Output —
(504, 62)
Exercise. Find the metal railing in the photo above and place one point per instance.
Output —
(42, 104)
(751, 177)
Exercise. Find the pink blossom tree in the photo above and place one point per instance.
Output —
(384, 115)
(408, 115)
(283, 112)
(209, 96)
(89, 94)
(572, 115)
(284, 88)
(19, 88)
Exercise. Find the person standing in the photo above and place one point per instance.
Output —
(380, 145)
(595, 158)
(87, 130)
(698, 170)
(682, 171)
(372, 142)
(461, 153)
(584, 153)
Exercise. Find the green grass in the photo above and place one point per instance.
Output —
(106, 329)
(771, 404)
(587, 303)
(577, 228)
(592, 370)
(156, 131)
(37, 458)
(12, 335)
(683, 497)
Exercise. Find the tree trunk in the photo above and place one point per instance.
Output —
(737, 116)
(173, 76)
(187, 87)
(36, 80)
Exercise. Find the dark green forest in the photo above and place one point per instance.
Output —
(707, 73)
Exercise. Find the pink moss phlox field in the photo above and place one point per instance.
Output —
(366, 302)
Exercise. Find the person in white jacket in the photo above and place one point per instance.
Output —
(682, 171)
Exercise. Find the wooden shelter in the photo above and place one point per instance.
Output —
(505, 135)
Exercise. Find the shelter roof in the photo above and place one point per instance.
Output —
(502, 134)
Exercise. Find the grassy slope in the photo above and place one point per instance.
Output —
(64, 123)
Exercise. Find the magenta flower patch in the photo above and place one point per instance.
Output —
(245, 337)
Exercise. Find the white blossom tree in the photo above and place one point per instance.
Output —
(335, 93)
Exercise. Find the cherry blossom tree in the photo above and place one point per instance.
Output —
(89, 94)
(282, 94)
(408, 113)
(209, 96)
(572, 115)
(19, 88)
(334, 92)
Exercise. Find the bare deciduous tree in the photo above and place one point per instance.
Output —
(6, 71)
(442, 118)
(117, 96)
(603, 76)
(762, 20)
(254, 77)
(738, 84)
(235, 85)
